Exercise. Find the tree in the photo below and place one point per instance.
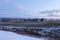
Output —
(42, 19)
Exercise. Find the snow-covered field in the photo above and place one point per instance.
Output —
(5, 35)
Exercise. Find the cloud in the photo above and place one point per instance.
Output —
(51, 13)
(35, 15)
(20, 8)
(44, 14)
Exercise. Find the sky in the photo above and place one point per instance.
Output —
(30, 8)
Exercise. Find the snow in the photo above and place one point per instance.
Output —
(5, 35)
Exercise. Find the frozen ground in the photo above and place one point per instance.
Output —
(5, 35)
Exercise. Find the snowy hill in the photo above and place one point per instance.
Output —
(12, 36)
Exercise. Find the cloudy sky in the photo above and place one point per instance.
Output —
(30, 8)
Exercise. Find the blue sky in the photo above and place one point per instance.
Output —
(29, 8)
